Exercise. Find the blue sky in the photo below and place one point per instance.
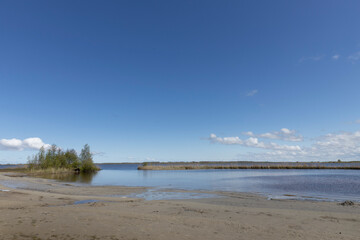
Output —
(181, 80)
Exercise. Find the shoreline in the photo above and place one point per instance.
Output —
(47, 211)
(203, 167)
(267, 195)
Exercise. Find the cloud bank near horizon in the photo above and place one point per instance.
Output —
(329, 147)
(251, 142)
(15, 144)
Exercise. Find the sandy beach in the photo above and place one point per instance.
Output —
(45, 209)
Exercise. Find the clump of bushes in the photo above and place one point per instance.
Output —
(56, 158)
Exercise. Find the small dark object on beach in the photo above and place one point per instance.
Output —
(347, 203)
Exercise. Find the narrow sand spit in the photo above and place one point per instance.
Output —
(44, 209)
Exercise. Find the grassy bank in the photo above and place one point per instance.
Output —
(197, 167)
(15, 169)
(50, 171)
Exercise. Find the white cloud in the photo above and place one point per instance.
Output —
(19, 145)
(354, 57)
(284, 134)
(252, 142)
(335, 57)
(10, 143)
(330, 147)
(252, 93)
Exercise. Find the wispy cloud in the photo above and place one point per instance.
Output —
(335, 57)
(15, 144)
(354, 57)
(284, 134)
(312, 58)
(100, 154)
(251, 93)
(142, 159)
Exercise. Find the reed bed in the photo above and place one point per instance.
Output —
(39, 172)
(197, 167)
(15, 169)
(50, 171)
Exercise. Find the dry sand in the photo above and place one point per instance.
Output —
(45, 210)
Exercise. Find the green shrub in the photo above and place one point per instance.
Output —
(55, 158)
(86, 161)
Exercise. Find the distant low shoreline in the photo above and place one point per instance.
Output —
(194, 167)
(211, 162)
(351, 165)
(249, 165)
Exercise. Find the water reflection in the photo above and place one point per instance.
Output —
(73, 177)
(144, 174)
(330, 184)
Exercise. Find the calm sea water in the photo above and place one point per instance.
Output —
(8, 166)
(330, 185)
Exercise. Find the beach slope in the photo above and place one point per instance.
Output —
(44, 209)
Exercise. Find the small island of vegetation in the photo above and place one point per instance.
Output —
(55, 160)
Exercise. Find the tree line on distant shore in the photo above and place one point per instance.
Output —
(56, 158)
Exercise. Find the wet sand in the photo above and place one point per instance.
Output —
(45, 209)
